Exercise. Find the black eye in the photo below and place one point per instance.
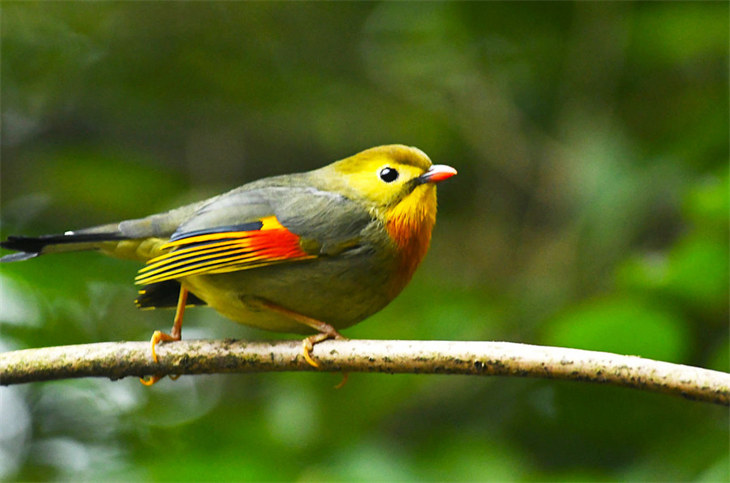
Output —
(388, 174)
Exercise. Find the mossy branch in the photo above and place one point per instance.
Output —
(116, 360)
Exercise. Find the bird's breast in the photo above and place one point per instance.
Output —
(409, 225)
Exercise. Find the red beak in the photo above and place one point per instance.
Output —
(437, 173)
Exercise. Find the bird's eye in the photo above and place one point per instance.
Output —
(388, 174)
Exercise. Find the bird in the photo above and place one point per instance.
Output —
(310, 253)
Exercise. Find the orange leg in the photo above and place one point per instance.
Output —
(325, 330)
(174, 335)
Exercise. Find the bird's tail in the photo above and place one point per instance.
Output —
(29, 247)
(147, 235)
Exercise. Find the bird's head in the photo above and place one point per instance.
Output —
(384, 177)
(398, 185)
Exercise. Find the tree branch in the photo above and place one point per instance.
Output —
(116, 360)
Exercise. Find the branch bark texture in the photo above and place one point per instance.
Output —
(116, 360)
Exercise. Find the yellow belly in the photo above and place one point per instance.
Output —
(242, 309)
(335, 291)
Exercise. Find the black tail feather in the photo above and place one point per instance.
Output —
(33, 246)
(163, 295)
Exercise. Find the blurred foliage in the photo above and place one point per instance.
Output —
(591, 210)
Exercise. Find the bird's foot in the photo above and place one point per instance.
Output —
(308, 344)
(159, 336)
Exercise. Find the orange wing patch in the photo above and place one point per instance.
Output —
(220, 251)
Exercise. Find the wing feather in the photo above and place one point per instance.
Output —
(224, 249)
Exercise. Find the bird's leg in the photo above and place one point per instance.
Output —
(176, 332)
(174, 335)
(326, 331)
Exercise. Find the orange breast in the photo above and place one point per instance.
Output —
(409, 224)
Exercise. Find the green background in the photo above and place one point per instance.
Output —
(590, 211)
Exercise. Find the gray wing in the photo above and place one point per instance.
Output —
(326, 222)
(235, 231)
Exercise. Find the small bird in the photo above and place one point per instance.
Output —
(310, 252)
